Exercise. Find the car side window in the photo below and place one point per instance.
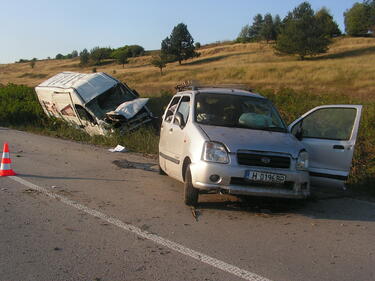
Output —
(171, 109)
(328, 123)
(184, 108)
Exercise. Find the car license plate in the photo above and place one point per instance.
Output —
(264, 177)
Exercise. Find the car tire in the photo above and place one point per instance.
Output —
(190, 192)
(161, 171)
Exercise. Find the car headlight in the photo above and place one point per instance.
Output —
(303, 161)
(215, 152)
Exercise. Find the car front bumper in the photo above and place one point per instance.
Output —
(232, 180)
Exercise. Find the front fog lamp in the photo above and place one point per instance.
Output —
(303, 161)
(215, 152)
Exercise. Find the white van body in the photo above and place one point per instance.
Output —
(90, 101)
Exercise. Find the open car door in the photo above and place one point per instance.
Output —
(329, 134)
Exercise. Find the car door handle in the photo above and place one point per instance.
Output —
(336, 146)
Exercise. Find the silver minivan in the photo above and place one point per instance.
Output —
(234, 141)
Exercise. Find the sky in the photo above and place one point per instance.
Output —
(41, 28)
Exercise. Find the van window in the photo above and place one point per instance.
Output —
(68, 111)
(84, 115)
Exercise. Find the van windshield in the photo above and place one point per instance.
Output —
(110, 99)
(237, 111)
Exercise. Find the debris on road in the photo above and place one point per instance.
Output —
(195, 212)
(118, 148)
(151, 167)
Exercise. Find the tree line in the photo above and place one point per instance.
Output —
(97, 55)
(121, 55)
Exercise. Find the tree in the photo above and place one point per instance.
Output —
(121, 55)
(244, 35)
(84, 57)
(32, 63)
(160, 62)
(371, 5)
(267, 31)
(327, 24)
(136, 50)
(256, 27)
(97, 54)
(277, 25)
(301, 34)
(59, 57)
(74, 54)
(180, 44)
(360, 19)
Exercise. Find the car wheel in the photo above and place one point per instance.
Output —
(190, 192)
(161, 171)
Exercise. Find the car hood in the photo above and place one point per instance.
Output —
(258, 140)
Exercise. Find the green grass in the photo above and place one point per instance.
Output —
(20, 109)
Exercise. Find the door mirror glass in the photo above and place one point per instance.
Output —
(183, 111)
(179, 120)
(327, 123)
(299, 131)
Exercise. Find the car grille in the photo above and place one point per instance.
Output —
(288, 185)
(252, 159)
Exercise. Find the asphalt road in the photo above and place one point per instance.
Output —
(79, 212)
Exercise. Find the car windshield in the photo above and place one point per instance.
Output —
(237, 111)
(110, 100)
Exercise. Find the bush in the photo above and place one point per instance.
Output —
(19, 106)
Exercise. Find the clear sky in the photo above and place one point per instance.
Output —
(41, 28)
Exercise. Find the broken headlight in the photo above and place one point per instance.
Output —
(303, 161)
(215, 152)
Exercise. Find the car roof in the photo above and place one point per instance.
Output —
(225, 91)
(87, 85)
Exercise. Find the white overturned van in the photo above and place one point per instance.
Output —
(95, 102)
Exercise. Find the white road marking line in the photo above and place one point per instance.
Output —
(244, 274)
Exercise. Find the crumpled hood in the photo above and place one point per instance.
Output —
(130, 108)
(248, 139)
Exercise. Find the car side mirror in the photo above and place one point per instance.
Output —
(179, 120)
(299, 133)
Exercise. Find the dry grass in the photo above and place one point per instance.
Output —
(347, 69)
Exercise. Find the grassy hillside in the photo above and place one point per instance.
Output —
(348, 68)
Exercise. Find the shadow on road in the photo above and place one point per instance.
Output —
(320, 206)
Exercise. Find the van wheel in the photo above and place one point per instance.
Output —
(190, 192)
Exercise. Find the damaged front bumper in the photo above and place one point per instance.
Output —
(115, 121)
